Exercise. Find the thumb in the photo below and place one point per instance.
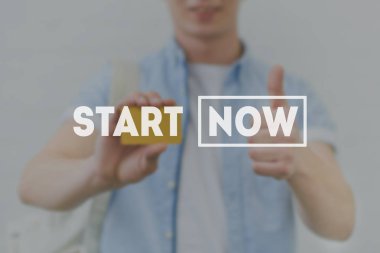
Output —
(276, 85)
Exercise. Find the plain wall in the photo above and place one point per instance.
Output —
(48, 49)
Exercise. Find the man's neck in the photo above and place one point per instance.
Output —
(223, 50)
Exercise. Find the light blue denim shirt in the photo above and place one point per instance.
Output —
(142, 217)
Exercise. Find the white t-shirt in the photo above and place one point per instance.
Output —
(201, 218)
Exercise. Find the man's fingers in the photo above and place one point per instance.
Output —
(139, 99)
(151, 98)
(135, 99)
(267, 154)
(131, 100)
(276, 85)
(169, 102)
(264, 124)
(153, 152)
(275, 81)
(154, 99)
(142, 100)
(140, 163)
(278, 170)
(128, 101)
(263, 136)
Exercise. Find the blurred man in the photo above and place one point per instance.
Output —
(187, 199)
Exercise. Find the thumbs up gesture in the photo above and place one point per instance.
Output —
(277, 162)
(276, 86)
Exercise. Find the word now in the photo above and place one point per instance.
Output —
(231, 120)
(136, 125)
(273, 124)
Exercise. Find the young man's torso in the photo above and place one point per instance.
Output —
(211, 196)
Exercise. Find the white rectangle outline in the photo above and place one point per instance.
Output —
(252, 145)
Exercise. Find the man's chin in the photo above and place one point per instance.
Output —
(205, 32)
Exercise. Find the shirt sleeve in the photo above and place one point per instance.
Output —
(93, 93)
(320, 126)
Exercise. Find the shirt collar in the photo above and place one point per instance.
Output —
(240, 64)
(176, 56)
(175, 52)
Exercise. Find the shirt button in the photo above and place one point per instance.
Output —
(171, 185)
(169, 235)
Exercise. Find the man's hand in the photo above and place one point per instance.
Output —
(115, 165)
(71, 169)
(324, 198)
(279, 163)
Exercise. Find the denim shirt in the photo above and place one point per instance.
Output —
(141, 218)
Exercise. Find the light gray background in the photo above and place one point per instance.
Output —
(49, 48)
